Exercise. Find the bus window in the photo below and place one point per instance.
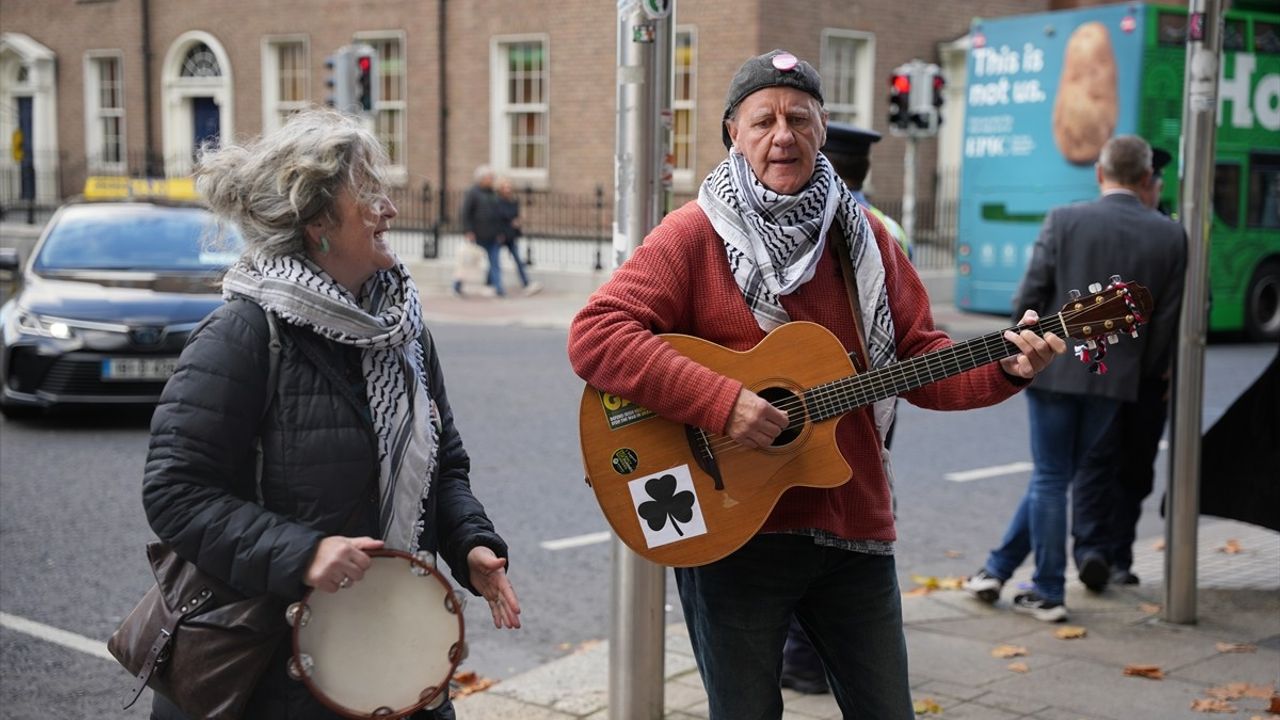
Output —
(1233, 35)
(1226, 194)
(1266, 37)
(1264, 191)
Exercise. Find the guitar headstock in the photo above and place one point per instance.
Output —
(1120, 307)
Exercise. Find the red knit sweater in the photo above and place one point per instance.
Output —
(679, 281)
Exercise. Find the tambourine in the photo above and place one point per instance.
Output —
(385, 647)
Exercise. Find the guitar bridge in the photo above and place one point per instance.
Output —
(700, 448)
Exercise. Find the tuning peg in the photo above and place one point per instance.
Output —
(1073, 294)
(1115, 280)
(1095, 287)
(1113, 338)
(1134, 333)
(1092, 345)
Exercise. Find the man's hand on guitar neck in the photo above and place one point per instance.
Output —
(1036, 352)
(754, 423)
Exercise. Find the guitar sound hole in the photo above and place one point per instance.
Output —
(793, 406)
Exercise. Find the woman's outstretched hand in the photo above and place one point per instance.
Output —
(489, 576)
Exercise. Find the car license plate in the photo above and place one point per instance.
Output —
(157, 368)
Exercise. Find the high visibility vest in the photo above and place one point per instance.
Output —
(894, 229)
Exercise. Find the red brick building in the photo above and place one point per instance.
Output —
(112, 86)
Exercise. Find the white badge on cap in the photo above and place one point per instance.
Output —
(786, 62)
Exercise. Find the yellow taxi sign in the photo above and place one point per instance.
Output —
(115, 187)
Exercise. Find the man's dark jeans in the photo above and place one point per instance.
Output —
(737, 610)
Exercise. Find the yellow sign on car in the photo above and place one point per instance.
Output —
(114, 187)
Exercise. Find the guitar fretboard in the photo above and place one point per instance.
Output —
(840, 396)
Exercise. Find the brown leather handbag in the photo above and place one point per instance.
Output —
(196, 641)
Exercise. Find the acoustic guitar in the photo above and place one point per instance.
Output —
(680, 495)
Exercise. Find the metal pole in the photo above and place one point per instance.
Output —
(1195, 177)
(909, 188)
(636, 642)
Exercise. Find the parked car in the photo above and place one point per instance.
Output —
(107, 300)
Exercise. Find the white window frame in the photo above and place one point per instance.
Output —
(272, 105)
(683, 179)
(94, 113)
(397, 172)
(499, 129)
(862, 106)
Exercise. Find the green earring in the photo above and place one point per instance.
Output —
(324, 244)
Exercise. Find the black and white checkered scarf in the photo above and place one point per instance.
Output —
(774, 242)
(385, 322)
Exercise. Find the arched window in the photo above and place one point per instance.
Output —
(200, 62)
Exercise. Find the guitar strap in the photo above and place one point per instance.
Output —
(845, 255)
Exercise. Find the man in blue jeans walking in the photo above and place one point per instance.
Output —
(1070, 408)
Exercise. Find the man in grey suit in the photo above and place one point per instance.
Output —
(1070, 407)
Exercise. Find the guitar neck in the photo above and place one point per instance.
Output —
(840, 396)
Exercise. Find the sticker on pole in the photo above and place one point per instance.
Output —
(656, 9)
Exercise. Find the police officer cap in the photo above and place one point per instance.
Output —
(1159, 158)
(848, 140)
(772, 69)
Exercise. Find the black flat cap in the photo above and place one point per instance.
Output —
(847, 139)
(772, 69)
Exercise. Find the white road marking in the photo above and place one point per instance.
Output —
(48, 633)
(576, 541)
(988, 472)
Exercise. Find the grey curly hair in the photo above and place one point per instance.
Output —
(275, 185)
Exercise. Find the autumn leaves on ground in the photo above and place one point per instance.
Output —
(1224, 699)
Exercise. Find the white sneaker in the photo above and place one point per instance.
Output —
(1039, 607)
(984, 586)
(533, 288)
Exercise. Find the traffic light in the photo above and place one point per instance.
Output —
(339, 81)
(366, 77)
(899, 99)
(915, 99)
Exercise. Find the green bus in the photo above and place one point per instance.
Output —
(1014, 171)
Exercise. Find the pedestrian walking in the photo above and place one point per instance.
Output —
(757, 249)
(509, 210)
(482, 224)
(1070, 408)
(357, 442)
(1119, 472)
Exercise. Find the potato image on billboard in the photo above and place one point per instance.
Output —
(1087, 106)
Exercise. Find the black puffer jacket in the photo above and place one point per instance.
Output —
(319, 473)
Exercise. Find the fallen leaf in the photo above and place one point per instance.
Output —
(1224, 647)
(1008, 651)
(468, 683)
(1019, 667)
(1237, 690)
(917, 591)
(1152, 672)
(954, 554)
(1157, 545)
(928, 581)
(1205, 705)
(1149, 608)
(950, 583)
(927, 706)
(1231, 548)
(1259, 691)
(562, 647)
(1070, 632)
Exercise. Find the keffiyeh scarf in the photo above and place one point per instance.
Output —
(386, 324)
(774, 243)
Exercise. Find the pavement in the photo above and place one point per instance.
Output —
(1228, 659)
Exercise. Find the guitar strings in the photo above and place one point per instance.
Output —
(894, 379)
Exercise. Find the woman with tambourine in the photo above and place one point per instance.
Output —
(292, 490)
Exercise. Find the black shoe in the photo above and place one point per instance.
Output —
(1039, 607)
(805, 682)
(1094, 573)
(1123, 577)
(984, 586)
